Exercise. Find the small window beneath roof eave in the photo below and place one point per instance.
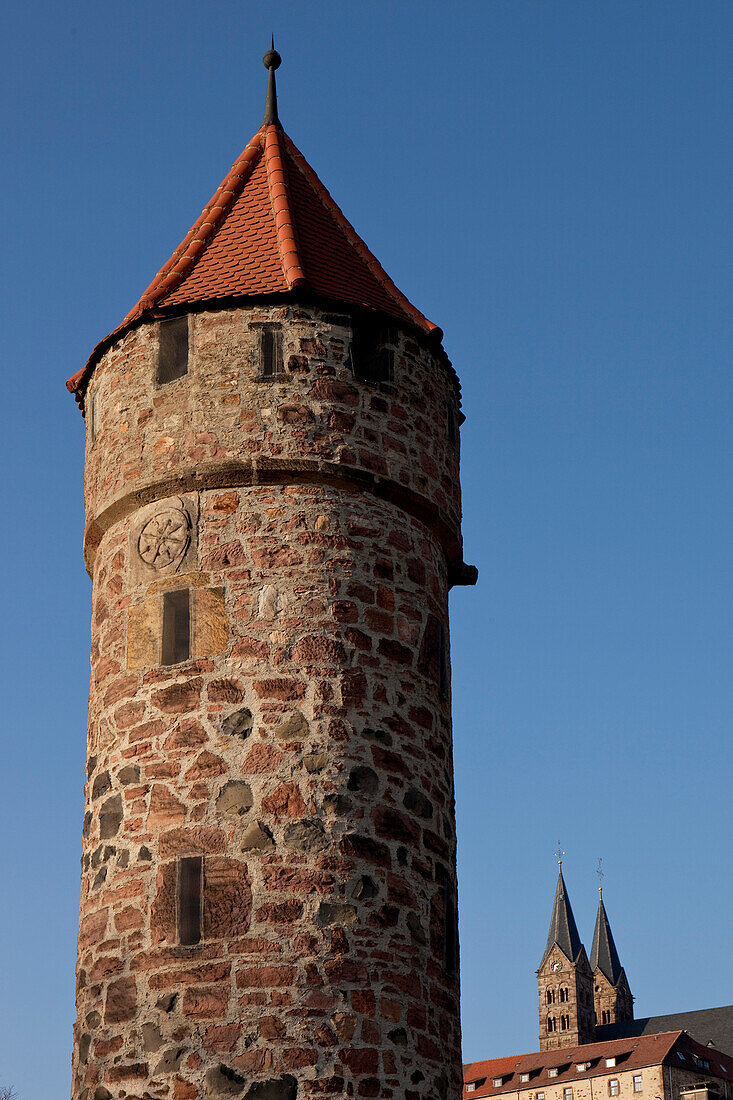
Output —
(172, 350)
(372, 350)
(271, 351)
(610, 1062)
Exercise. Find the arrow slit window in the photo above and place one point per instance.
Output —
(172, 350)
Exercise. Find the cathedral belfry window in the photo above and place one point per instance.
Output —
(172, 350)
(564, 993)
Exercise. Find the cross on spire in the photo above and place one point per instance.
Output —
(599, 872)
(559, 854)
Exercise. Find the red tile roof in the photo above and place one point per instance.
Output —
(631, 1053)
(270, 229)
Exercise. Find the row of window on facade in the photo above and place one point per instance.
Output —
(190, 885)
(372, 352)
(372, 356)
(563, 994)
(175, 645)
(614, 1087)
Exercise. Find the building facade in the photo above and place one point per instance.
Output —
(663, 1066)
(268, 900)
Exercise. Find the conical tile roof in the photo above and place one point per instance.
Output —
(271, 229)
(603, 953)
(563, 929)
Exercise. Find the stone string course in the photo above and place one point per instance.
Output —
(304, 751)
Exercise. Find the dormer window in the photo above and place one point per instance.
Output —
(172, 350)
(524, 1077)
(271, 351)
(372, 351)
(610, 1062)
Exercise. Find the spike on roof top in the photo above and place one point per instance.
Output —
(603, 953)
(271, 229)
(271, 61)
(563, 929)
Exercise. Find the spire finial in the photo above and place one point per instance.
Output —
(559, 854)
(271, 61)
(599, 872)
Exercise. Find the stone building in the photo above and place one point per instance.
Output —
(664, 1066)
(577, 994)
(268, 898)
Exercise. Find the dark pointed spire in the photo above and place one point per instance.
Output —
(271, 61)
(603, 953)
(563, 929)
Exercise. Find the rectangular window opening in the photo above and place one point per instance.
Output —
(176, 642)
(637, 1082)
(271, 351)
(188, 908)
(172, 349)
(91, 412)
(372, 353)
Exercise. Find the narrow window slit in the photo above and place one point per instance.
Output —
(172, 349)
(188, 908)
(176, 642)
(272, 351)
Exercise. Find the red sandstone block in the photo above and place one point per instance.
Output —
(346, 971)
(189, 732)
(298, 1058)
(179, 697)
(212, 972)
(121, 1001)
(393, 825)
(285, 801)
(221, 1039)
(360, 1059)
(251, 647)
(184, 1090)
(265, 977)
(253, 1061)
(285, 912)
(363, 1001)
(206, 766)
(284, 689)
(271, 1027)
(207, 1002)
(225, 691)
(262, 758)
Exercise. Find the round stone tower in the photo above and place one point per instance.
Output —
(268, 898)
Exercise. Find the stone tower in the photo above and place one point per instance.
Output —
(565, 980)
(612, 998)
(268, 899)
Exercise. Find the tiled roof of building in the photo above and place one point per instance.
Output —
(499, 1075)
(707, 1025)
(271, 229)
(603, 953)
(563, 929)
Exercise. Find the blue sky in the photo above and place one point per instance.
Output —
(549, 181)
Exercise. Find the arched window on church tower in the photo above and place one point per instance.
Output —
(550, 996)
(564, 994)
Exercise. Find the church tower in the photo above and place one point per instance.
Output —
(268, 897)
(612, 998)
(565, 980)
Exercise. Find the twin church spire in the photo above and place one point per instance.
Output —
(578, 996)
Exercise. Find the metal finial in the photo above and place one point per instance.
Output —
(559, 854)
(599, 872)
(271, 61)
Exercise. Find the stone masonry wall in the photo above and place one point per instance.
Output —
(304, 750)
(222, 413)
